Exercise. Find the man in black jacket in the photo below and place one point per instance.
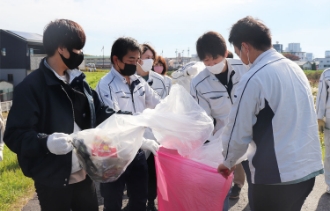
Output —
(49, 104)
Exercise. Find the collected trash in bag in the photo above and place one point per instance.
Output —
(186, 185)
(177, 122)
(184, 74)
(106, 151)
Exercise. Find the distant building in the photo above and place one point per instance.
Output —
(324, 63)
(327, 54)
(293, 47)
(309, 57)
(98, 61)
(278, 47)
(305, 65)
(20, 52)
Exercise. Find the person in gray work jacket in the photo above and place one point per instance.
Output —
(214, 89)
(123, 89)
(275, 113)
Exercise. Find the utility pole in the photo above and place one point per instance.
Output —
(103, 56)
(182, 57)
(176, 59)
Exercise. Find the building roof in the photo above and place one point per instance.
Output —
(301, 63)
(26, 36)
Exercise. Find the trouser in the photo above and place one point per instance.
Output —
(327, 152)
(136, 179)
(239, 176)
(152, 182)
(281, 197)
(246, 167)
(80, 196)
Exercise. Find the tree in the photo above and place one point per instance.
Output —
(291, 56)
(313, 66)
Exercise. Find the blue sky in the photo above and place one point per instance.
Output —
(174, 24)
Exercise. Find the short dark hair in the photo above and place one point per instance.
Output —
(160, 59)
(63, 33)
(230, 55)
(146, 47)
(121, 47)
(252, 31)
(211, 43)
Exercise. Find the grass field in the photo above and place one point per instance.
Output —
(16, 189)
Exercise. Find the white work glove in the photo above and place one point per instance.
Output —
(191, 71)
(151, 145)
(59, 143)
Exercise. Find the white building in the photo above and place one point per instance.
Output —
(324, 63)
(309, 56)
(327, 54)
(293, 47)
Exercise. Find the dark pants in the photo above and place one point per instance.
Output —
(281, 197)
(136, 179)
(246, 168)
(80, 196)
(152, 182)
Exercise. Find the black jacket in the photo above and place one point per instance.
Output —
(42, 106)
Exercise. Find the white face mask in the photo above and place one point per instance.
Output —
(217, 68)
(247, 66)
(147, 64)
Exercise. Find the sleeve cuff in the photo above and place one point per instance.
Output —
(42, 137)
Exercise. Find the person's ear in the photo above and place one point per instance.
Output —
(226, 54)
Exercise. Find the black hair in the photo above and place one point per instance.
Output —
(211, 44)
(121, 47)
(230, 55)
(63, 33)
(252, 31)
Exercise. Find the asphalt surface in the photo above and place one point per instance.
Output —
(318, 200)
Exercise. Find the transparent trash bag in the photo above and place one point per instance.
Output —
(106, 151)
(177, 122)
(186, 185)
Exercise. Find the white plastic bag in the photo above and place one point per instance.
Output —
(106, 151)
(177, 122)
(184, 75)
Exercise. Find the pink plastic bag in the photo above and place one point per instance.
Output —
(186, 185)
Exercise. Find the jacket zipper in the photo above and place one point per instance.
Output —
(132, 98)
(230, 79)
(74, 120)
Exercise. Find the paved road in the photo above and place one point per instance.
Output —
(318, 200)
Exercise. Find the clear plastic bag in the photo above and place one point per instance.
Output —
(106, 151)
(177, 122)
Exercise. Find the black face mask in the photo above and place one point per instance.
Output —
(129, 69)
(74, 60)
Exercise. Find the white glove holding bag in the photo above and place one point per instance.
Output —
(59, 143)
(151, 145)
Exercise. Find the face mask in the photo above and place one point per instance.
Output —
(217, 68)
(247, 66)
(129, 69)
(158, 69)
(74, 60)
(147, 64)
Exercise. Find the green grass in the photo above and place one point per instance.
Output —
(15, 188)
(93, 78)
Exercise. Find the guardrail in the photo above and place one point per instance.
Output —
(5, 106)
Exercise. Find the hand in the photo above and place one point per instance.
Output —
(59, 143)
(224, 171)
(150, 145)
(321, 125)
